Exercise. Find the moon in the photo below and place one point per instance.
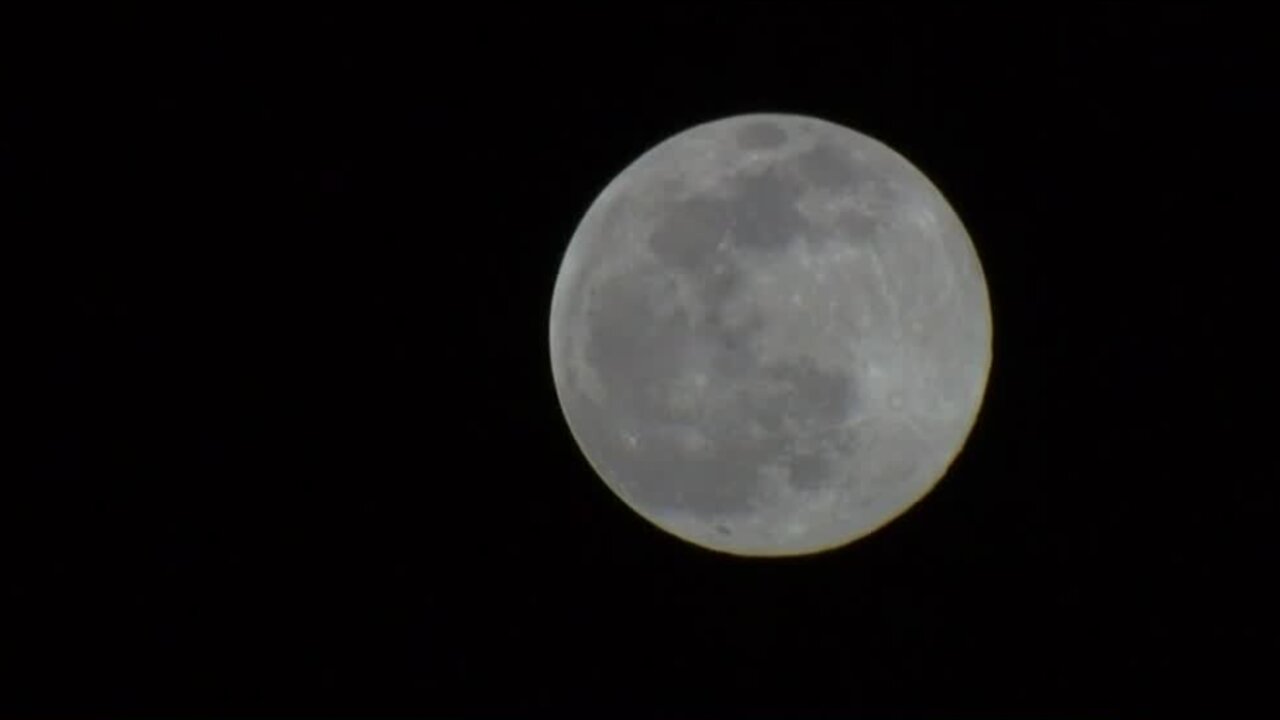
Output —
(770, 335)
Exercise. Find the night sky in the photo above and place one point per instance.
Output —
(287, 440)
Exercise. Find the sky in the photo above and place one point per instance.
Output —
(289, 444)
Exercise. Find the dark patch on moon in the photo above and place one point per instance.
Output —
(764, 211)
(816, 397)
(760, 135)
(826, 166)
(689, 233)
(722, 478)
(731, 349)
(858, 226)
(629, 343)
(663, 475)
(760, 214)
(809, 471)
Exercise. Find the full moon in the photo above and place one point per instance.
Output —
(770, 335)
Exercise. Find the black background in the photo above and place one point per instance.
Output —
(287, 437)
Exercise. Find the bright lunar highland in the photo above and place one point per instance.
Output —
(770, 335)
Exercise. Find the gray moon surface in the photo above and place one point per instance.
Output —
(770, 335)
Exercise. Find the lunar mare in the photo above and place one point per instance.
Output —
(770, 335)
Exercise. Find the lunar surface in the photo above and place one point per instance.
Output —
(770, 335)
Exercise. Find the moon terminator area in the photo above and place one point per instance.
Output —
(770, 335)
